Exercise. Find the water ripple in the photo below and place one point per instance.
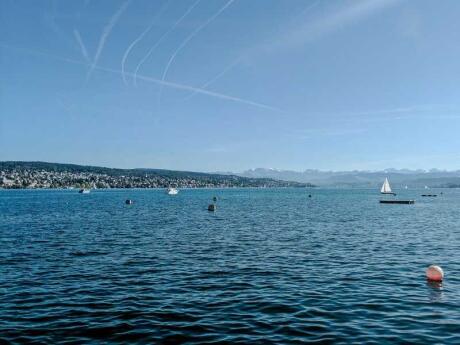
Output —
(269, 267)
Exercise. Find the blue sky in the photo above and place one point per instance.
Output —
(227, 85)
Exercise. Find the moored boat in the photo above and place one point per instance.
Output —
(172, 191)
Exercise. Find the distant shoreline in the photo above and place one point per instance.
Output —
(182, 188)
(43, 175)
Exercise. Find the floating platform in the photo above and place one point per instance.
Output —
(430, 195)
(407, 202)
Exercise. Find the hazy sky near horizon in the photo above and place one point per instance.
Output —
(227, 85)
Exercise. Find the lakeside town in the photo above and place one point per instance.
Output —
(36, 175)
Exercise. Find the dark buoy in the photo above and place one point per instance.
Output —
(128, 202)
(214, 199)
(211, 207)
(309, 195)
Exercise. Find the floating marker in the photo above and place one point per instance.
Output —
(128, 202)
(434, 273)
(211, 207)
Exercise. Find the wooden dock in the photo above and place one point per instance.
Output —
(406, 202)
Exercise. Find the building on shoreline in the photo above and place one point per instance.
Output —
(34, 175)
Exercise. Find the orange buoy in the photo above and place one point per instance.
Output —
(434, 273)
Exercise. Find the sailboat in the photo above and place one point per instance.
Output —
(386, 189)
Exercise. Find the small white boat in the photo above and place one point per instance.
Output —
(84, 191)
(386, 189)
(172, 191)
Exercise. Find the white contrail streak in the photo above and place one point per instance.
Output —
(348, 14)
(84, 51)
(200, 91)
(305, 10)
(235, 62)
(210, 81)
(161, 39)
(172, 85)
(193, 34)
(139, 38)
(105, 33)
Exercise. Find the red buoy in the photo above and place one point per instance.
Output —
(434, 273)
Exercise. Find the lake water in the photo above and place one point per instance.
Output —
(270, 266)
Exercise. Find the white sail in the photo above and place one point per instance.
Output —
(386, 189)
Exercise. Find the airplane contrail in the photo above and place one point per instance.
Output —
(201, 91)
(193, 34)
(105, 33)
(139, 38)
(162, 37)
(326, 24)
(212, 80)
(235, 62)
(176, 86)
(84, 52)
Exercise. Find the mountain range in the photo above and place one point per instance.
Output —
(23, 174)
(355, 178)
